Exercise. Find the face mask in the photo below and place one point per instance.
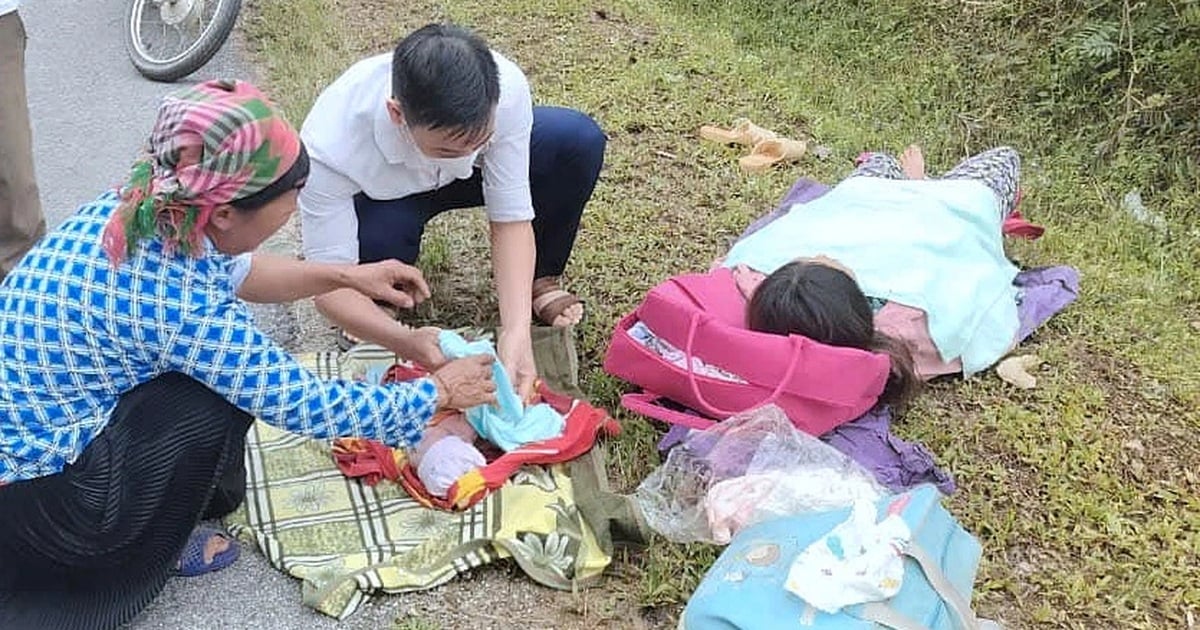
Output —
(439, 162)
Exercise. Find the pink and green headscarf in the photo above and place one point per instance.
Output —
(213, 143)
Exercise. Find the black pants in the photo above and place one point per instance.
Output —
(91, 546)
(566, 152)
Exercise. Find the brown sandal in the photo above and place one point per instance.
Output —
(550, 301)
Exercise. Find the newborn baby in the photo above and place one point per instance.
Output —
(446, 452)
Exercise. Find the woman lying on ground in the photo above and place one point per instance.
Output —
(888, 235)
(130, 369)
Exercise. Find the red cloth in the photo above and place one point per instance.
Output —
(583, 425)
(372, 461)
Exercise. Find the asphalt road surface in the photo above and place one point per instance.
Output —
(91, 113)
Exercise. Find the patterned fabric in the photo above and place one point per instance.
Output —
(998, 168)
(213, 143)
(76, 333)
(348, 541)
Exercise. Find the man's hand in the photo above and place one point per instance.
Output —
(421, 347)
(516, 353)
(389, 280)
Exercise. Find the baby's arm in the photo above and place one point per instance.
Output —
(747, 280)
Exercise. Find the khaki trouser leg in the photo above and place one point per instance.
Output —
(21, 220)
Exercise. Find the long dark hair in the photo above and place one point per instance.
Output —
(825, 304)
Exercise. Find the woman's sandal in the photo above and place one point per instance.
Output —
(191, 560)
(550, 301)
(772, 151)
(743, 132)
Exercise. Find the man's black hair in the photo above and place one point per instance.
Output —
(445, 77)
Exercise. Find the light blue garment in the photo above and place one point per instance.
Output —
(509, 424)
(930, 244)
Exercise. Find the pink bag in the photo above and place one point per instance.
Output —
(819, 387)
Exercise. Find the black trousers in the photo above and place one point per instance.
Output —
(91, 546)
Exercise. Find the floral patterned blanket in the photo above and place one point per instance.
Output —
(348, 541)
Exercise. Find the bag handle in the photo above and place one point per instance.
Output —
(959, 607)
(645, 404)
(783, 382)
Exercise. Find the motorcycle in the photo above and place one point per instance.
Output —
(170, 39)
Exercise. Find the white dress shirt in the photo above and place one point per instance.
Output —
(355, 147)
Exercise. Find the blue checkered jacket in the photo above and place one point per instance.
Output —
(76, 333)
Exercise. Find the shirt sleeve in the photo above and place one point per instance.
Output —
(218, 345)
(506, 190)
(328, 223)
(239, 269)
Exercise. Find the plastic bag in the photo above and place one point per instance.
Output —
(748, 469)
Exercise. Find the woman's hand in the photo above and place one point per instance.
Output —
(465, 383)
(516, 353)
(389, 280)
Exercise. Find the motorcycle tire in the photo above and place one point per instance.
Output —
(190, 60)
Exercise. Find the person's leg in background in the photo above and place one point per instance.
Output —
(877, 165)
(392, 228)
(999, 169)
(565, 156)
(21, 219)
(91, 546)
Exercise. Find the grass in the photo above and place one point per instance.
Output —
(1085, 491)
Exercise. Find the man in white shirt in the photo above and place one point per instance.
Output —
(441, 123)
(21, 220)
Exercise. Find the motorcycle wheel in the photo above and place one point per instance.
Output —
(198, 33)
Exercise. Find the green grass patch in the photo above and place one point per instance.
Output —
(1085, 490)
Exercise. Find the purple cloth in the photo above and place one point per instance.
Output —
(1044, 292)
(896, 463)
(674, 435)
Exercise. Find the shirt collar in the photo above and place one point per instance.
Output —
(392, 141)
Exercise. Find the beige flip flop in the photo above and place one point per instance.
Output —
(771, 152)
(743, 132)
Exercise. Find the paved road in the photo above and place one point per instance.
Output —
(91, 113)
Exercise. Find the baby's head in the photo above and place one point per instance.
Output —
(814, 298)
(819, 299)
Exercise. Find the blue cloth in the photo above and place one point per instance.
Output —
(76, 334)
(509, 424)
(930, 244)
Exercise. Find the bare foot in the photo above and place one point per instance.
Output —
(570, 316)
(552, 305)
(912, 162)
(216, 544)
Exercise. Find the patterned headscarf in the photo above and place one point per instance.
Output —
(213, 143)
